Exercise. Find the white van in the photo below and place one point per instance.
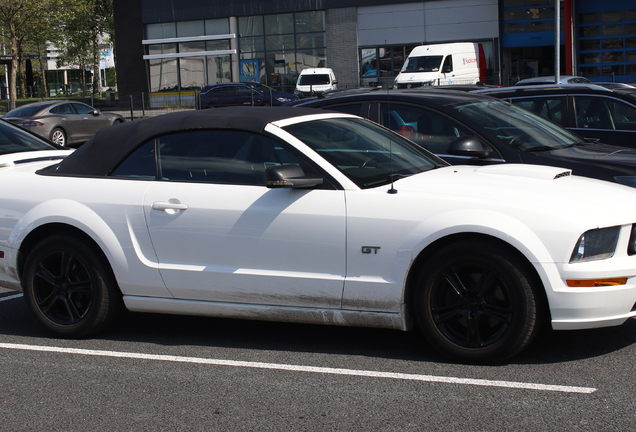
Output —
(454, 63)
(313, 81)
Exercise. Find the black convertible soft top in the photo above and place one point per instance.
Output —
(99, 156)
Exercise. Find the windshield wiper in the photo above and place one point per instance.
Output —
(540, 149)
(388, 179)
(548, 148)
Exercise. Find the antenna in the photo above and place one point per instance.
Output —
(388, 103)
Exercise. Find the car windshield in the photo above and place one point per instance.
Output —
(422, 64)
(15, 140)
(368, 154)
(518, 127)
(25, 111)
(314, 79)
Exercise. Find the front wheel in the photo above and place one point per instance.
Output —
(476, 302)
(58, 137)
(69, 287)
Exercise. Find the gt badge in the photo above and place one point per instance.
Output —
(370, 249)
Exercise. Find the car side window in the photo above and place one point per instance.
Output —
(83, 109)
(547, 107)
(62, 109)
(431, 130)
(604, 113)
(220, 157)
(139, 165)
(624, 115)
(448, 64)
(593, 113)
(244, 90)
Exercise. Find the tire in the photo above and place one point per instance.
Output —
(476, 302)
(118, 121)
(58, 137)
(70, 288)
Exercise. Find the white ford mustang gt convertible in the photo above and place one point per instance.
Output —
(291, 214)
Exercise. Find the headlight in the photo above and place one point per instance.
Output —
(631, 249)
(283, 99)
(626, 180)
(596, 244)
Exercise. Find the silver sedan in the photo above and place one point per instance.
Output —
(63, 122)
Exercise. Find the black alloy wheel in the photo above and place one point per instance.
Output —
(476, 302)
(69, 287)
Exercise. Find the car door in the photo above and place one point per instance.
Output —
(246, 95)
(91, 123)
(221, 235)
(611, 120)
(70, 121)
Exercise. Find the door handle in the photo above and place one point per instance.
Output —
(163, 206)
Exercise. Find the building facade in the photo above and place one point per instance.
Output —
(167, 46)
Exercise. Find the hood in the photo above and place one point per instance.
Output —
(417, 77)
(591, 160)
(532, 192)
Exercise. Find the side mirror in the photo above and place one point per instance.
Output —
(95, 112)
(289, 176)
(335, 81)
(468, 146)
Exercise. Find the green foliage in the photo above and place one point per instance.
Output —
(78, 28)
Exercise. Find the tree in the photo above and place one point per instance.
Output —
(84, 31)
(16, 17)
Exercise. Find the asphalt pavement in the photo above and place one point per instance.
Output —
(162, 372)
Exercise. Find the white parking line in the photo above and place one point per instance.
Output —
(298, 368)
(10, 297)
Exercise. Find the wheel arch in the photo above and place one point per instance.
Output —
(60, 127)
(66, 216)
(47, 230)
(431, 249)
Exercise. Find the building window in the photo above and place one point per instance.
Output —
(529, 23)
(275, 48)
(190, 61)
(607, 40)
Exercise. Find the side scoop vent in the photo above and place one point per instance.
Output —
(563, 174)
(526, 170)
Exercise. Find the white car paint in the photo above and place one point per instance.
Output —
(299, 255)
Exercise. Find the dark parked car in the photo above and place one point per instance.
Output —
(466, 128)
(62, 122)
(247, 93)
(607, 114)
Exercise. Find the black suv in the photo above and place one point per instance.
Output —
(595, 112)
(466, 128)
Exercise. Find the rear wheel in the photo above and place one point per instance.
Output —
(476, 302)
(69, 287)
(58, 136)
